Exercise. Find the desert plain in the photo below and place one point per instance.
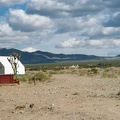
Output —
(63, 97)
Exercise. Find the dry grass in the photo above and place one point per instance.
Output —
(111, 72)
(42, 75)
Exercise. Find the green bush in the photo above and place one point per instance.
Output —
(32, 76)
(40, 76)
(93, 71)
(21, 78)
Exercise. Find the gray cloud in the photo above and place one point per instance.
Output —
(66, 25)
(49, 8)
(11, 2)
(68, 8)
(19, 20)
(113, 20)
(112, 3)
(58, 9)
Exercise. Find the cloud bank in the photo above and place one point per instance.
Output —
(54, 25)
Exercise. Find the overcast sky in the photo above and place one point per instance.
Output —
(61, 26)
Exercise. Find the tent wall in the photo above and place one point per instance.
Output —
(20, 68)
(6, 67)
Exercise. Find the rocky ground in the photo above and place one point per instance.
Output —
(63, 97)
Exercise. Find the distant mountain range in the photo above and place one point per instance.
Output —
(47, 57)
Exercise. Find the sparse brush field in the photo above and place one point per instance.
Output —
(46, 72)
(82, 91)
(42, 72)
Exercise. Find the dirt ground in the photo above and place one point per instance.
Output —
(63, 97)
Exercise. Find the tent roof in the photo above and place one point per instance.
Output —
(5, 61)
(8, 67)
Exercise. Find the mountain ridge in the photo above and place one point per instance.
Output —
(46, 57)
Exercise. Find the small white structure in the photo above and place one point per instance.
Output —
(74, 67)
(6, 67)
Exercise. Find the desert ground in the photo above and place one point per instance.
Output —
(62, 97)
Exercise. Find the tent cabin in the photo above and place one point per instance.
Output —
(7, 72)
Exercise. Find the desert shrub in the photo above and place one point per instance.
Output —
(40, 76)
(23, 78)
(93, 71)
(109, 75)
(31, 76)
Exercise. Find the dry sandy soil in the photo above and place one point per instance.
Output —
(63, 97)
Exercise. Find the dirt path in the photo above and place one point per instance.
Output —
(64, 97)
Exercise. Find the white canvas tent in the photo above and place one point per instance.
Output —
(6, 67)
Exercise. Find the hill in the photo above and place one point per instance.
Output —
(46, 57)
